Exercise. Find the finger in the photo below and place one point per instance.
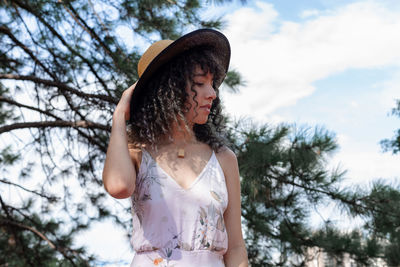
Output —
(129, 91)
(131, 88)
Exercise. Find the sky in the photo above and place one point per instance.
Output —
(329, 63)
(323, 63)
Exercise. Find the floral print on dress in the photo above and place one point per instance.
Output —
(212, 225)
(166, 251)
(161, 262)
(170, 223)
(144, 181)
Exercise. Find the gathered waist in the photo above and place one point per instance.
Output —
(178, 258)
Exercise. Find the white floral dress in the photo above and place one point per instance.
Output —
(173, 226)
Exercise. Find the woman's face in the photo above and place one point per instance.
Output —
(204, 95)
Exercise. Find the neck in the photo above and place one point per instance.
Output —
(182, 135)
(183, 138)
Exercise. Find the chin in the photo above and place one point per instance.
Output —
(201, 121)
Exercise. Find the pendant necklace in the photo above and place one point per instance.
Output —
(181, 153)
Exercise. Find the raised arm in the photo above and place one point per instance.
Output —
(119, 172)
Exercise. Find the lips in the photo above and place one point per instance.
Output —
(206, 107)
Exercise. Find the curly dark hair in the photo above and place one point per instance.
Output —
(166, 101)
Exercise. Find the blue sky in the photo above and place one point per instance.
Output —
(331, 63)
(327, 63)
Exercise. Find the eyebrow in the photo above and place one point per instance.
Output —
(202, 74)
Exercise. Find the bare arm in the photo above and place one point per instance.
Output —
(236, 256)
(119, 172)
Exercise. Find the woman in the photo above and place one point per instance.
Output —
(172, 162)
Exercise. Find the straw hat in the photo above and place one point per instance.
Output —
(163, 51)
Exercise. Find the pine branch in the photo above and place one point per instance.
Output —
(72, 12)
(50, 198)
(83, 118)
(12, 229)
(82, 23)
(105, 28)
(39, 62)
(15, 103)
(7, 31)
(57, 123)
(88, 137)
(63, 251)
(65, 43)
(334, 196)
(62, 124)
(33, 230)
(59, 85)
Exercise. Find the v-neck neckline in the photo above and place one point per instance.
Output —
(173, 180)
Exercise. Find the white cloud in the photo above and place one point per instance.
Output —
(390, 91)
(365, 164)
(252, 24)
(354, 104)
(281, 64)
(309, 13)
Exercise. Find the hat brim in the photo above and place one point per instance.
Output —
(203, 37)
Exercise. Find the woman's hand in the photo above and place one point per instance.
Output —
(123, 107)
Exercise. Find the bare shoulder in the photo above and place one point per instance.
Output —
(227, 159)
(226, 154)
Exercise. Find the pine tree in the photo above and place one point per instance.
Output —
(64, 65)
(393, 144)
(285, 180)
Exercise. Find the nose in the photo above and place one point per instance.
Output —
(211, 94)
